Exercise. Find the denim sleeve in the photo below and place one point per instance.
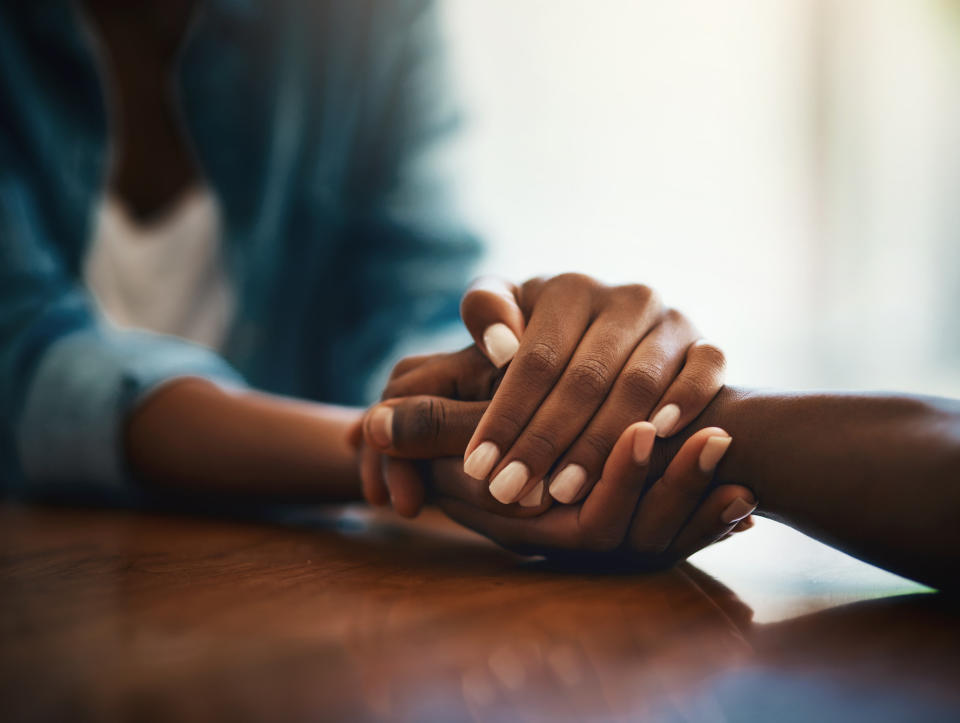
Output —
(66, 378)
(409, 255)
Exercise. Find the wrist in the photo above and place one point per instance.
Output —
(740, 412)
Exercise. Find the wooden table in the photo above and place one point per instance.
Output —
(350, 615)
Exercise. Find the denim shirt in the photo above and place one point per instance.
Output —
(320, 126)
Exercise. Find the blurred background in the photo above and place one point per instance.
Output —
(787, 172)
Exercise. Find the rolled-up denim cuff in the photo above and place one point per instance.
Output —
(70, 430)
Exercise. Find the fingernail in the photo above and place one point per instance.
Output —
(643, 438)
(501, 343)
(507, 485)
(666, 419)
(481, 460)
(713, 452)
(567, 484)
(381, 426)
(534, 497)
(736, 511)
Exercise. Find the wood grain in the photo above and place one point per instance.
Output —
(352, 615)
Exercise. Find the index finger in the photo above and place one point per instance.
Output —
(492, 315)
(556, 326)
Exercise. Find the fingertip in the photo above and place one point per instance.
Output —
(500, 344)
(480, 461)
(378, 426)
(644, 435)
(568, 483)
(372, 484)
(713, 451)
(665, 420)
(733, 504)
(491, 313)
(745, 524)
(406, 488)
(533, 498)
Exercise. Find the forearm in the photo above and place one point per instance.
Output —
(192, 436)
(876, 476)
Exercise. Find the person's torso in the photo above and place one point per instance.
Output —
(269, 95)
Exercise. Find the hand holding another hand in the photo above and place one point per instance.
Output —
(650, 523)
(586, 362)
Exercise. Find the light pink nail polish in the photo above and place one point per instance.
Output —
(568, 483)
(643, 438)
(508, 483)
(666, 419)
(534, 497)
(736, 511)
(381, 426)
(481, 460)
(501, 343)
(713, 452)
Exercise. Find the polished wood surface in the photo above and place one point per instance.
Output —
(345, 614)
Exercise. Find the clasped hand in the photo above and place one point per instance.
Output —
(542, 434)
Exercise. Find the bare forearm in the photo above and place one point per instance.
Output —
(193, 436)
(877, 476)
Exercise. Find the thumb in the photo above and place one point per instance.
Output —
(422, 427)
(491, 313)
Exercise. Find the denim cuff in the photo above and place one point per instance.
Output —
(69, 435)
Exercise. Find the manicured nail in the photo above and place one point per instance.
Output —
(736, 511)
(507, 485)
(534, 497)
(666, 419)
(567, 484)
(501, 344)
(381, 426)
(481, 460)
(713, 452)
(643, 438)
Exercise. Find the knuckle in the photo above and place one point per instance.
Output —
(423, 422)
(691, 387)
(590, 378)
(540, 361)
(687, 491)
(598, 445)
(571, 279)
(505, 425)
(639, 294)
(674, 317)
(540, 444)
(711, 355)
(642, 381)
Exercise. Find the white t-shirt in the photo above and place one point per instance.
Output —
(166, 276)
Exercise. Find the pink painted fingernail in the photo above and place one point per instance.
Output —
(713, 452)
(643, 438)
(501, 343)
(381, 426)
(568, 483)
(736, 511)
(534, 497)
(666, 419)
(507, 485)
(481, 460)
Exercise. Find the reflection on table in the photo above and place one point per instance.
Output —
(349, 614)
